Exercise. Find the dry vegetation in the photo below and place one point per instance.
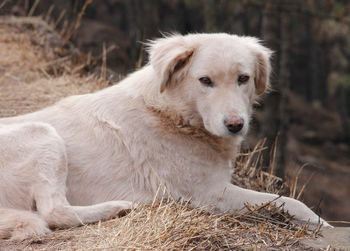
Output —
(36, 70)
(170, 225)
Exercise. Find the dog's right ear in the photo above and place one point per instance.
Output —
(262, 70)
(170, 58)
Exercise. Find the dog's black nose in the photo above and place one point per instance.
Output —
(234, 125)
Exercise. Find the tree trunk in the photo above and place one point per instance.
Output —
(269, 122)
(284, 86)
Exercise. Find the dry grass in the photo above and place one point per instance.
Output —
(169, 225)
(35, 71)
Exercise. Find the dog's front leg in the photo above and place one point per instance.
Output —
(230, 197)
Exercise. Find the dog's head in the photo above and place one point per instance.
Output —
(218, 76)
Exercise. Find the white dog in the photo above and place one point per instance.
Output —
(177, 122)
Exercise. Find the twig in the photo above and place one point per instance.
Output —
(64, 28)
(57, 61)
(263, 205)
(304, 186)
(294, 188)
(339, 221)
(4, 3)
(60, 17)
(108, 50)
(273, 157)
(31, 12)
(104, 62)
(49, 12)
(78, 21)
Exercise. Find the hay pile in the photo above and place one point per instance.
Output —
(36, 70)
(169, 225)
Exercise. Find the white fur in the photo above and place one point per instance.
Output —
(89, 156)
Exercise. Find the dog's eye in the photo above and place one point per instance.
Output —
(242, 79)
(206, 81)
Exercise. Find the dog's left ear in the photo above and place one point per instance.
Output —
(262, 70)
(170, 57)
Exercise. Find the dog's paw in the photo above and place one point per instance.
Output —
(29, 230)
(120, 208)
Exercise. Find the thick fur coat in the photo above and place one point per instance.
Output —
(176, 123)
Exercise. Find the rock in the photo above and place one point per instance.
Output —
(337, 238)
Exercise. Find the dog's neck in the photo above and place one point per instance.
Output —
(176, 123)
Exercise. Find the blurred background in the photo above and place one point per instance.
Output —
(305, 119)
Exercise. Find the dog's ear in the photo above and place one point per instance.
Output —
(170, 57)
(262, 70)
